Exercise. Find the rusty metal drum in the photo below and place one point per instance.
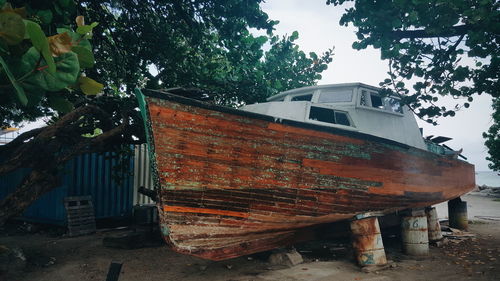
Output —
(434, 228)
(367, 242)
(414, 233)
(457, 213)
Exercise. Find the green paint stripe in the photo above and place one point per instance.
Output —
(143, 106)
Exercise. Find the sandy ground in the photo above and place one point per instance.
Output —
(54, 258)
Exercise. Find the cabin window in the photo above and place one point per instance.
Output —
(307, 97)
(335, 96)
(376, 101)
(385, 103)
(322, 114)
(341, 118)
(329, 116)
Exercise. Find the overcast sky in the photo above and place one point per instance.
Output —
(319, 30)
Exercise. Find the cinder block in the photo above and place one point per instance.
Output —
(286, 257)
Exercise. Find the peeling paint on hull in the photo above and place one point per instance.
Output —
(232, 183)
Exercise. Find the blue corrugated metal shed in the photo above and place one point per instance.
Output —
(89, 174)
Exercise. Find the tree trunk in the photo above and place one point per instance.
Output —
(37, 183)
(46, 149)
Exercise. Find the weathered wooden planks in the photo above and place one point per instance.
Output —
(234, 183)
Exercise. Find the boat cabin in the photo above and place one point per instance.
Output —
(351, 106)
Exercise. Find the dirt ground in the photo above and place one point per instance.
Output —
(54, 257)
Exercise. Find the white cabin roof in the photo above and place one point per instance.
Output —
(319, 87)
(350, 106)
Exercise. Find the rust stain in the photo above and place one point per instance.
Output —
(367, 226)
(367, 242)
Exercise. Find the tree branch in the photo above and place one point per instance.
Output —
(19, 140)
(37, 183)
(50, 139)
(423, 33)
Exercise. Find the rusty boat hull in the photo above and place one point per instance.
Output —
(232, 183)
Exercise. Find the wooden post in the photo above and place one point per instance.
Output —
(114, 271)
(433, 225)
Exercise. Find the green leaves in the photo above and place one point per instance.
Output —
(85, 56)
(443, 48)
(426, 43)
(77, 39)
(41, 43)
(67, 72)
(36, 76)
(51, 64)
(12, 27)
(89, 86)
(64, 3)
(19, 90)
(84, 29)
(45, 16)
(60, 103)
(492, 137)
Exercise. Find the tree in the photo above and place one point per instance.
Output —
(204, 44)
(435, 48)
(37, 69)
(46, 76)
(493, 137)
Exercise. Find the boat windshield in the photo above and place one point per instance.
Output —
(374, 100)
(335, 96)
(306, 97)
(328, 115)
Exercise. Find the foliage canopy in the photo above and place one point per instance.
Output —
(204, 44)
(435, 48)
(36, 70)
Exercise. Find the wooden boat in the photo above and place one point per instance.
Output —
(234, 182)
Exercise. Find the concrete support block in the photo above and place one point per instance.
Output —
(367, 242)
(286, 257)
